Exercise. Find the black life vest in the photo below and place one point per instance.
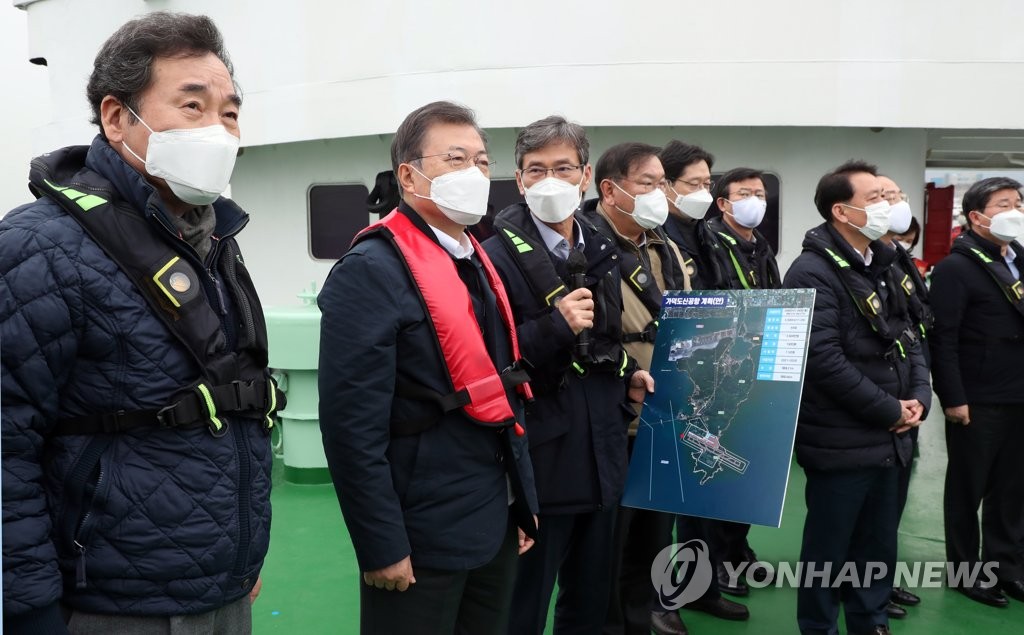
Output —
(758, 272)
(916, 291)
(1011, 287)
(637, 275)
(864, 296)
(694, 242)
(478, 388)
(144, 248)
(520, 238)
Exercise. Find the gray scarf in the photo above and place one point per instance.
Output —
(196, 227)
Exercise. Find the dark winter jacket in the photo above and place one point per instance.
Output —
(167, 520)
(741, 263)
(855, 377)
(691, 236)
(440, 496)
(577, 423)
(978, 339)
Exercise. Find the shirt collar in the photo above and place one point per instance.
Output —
(555, 242)
(458, 249)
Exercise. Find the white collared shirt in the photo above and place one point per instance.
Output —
(459, 249)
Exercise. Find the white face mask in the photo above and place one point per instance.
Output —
(877, 222)
(650, 210)
(899, 217)
(695, 204)
(553, 200)
(1007, 226)
(748, 212)
(461, 195)
(906, 246)
(196, 163)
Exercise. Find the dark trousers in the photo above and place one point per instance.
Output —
(693, 528)
(575, 549)
(640, 534)
(851, 517)
(445, 602)
(729, 541)
(903, 480)
(986, 468)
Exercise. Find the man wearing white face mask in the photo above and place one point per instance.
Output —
(919, 307)
(688, 189)
(743, 259)
(977, 349)
(563, 281)
(744, 256)
(865, 386)
(136, 402)
(421, 390)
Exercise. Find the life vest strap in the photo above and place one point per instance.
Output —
(197, 408)
(649, 334)
(510, 378)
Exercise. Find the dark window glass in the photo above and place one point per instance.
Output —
(504, 192)
(336, 214)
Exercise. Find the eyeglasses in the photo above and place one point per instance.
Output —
(459, 160)
(696, 184)
(894, 195)
(562, 171)
(646, 184)
(745, 193)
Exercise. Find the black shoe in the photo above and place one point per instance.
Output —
(895, 611)
(721, 608)
(756, 570)
(1014, 588)
(992, 596)
(668, 623)
(740, 588)
(881, 629)
(904, 597)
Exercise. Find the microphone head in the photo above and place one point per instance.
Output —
(576, 262)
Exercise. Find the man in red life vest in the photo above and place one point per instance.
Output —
(420, 396)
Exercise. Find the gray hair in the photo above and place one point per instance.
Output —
(123, 67)
(553, 129)
(408, 142)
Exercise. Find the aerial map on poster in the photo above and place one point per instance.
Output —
(716, 437)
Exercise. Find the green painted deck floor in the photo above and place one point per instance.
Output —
(310, 578)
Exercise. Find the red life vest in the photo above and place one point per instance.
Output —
(450, 310)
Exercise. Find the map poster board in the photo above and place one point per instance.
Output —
(716, 437)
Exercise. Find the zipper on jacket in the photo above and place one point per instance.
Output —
(240, 296)
(244, 476)
(80, 536)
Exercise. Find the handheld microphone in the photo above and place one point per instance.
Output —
(576, 263)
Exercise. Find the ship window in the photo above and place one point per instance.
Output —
(336, 214)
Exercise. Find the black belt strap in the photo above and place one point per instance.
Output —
(409, 389)
(649, 334)
(188, 411)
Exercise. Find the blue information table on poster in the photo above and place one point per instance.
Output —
(716, 437)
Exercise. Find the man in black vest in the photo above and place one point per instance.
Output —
(564, 284)
(977, 351)
(743, 259)
(866, 385)
(136, 403)
(432, 495)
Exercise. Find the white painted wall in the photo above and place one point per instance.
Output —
(24, 108)
(271, 182)
(324, 69)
